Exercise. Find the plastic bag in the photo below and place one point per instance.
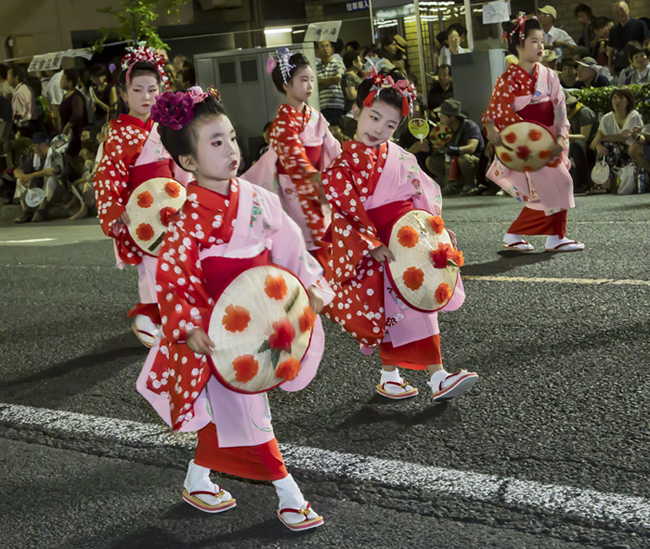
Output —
(627, 180)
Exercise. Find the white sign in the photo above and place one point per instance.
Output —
(328, 30)
(496, 12)
(52, 61)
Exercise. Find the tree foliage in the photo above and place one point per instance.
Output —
(134, 22)
(597, 99)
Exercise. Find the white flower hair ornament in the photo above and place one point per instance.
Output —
(281, 57)
(145, 55)
(382, 82)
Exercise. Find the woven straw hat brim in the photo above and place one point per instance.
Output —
(423, 299)
(522, 131)
(247, 290)
(159, 199)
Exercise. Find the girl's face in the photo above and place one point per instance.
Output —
(141, 94)
(301, 85)
(376, 124)
(640, 61)
(533, 47)
(619, 102)
(217, 150)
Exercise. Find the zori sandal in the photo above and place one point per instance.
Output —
(310, 519)
(211, 502)
(396, 391)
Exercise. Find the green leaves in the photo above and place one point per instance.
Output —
(598, 99)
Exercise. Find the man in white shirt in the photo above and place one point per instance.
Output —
(554, 38)
(54, 92)
(23, 103)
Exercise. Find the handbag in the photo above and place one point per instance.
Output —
(600, 173)
(627, 180)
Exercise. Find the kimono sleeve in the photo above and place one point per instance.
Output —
(430, 197)
(353, 233)
(562, 125)
(182, 295)
(500, 109)
(284, 138)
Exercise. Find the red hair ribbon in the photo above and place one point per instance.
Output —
(147, 55)
(381, 82)
(520, 25)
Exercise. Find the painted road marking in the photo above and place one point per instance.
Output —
(622, 282)
(28, 241)
(567, 500)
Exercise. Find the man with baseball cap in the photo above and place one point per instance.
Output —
(589, 73)
(41, 170)
(554, 38)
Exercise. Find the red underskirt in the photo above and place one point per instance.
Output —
(414, 356)
(536, 222)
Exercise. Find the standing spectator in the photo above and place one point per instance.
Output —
(601, 26)
(179, 61)
(584, 14)
(638, 71)
(584, 125)
(41, 170)
(370, 51)
(73, 112)
(352, 45)
(330, 72)
(466, 144)
(351, 79)
(54, 93)
(452, 48)
(555, 38)
(462, 33)
(6, 90)
(589, 73)
(569, 74)
(442, 87)
(23, 103)
(187, 78)
(42, 107)
(104, 95)
(389, 49)
(627, 30)
(338, 47)
(440, 42)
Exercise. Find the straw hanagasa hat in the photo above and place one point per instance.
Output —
(148, 207)
(261, 327)
(525, 146)
(426, 267)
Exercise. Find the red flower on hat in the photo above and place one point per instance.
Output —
(275, 287)
(413, 278)
(439, 256)
(505, 157)
(144, 232)
(167, 215)
(288, 369)
(246, 368)
(437, 223)
(443, 293)
(145, 199)
(307, 320)
(456, 256)
(534, 135)
(544, 154)
(173, 189)
(408, 236)
(528, 169)
(523, 152)
(283, 334)
(236, 318)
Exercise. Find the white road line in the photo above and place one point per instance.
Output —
(621, 282)
(28, 241)
(565, 500)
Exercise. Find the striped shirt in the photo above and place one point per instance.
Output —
(332, 97)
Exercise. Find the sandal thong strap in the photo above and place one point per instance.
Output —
(403, 385)
(566, 244)
(304, 511)
(208, 493)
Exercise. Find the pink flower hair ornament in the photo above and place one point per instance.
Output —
(520, 26)
(380, 82)
(176, 110)
(145, 55)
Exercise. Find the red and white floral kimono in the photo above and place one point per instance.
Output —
(301, 145)
(547, 193)
(369, 189)
(132, 154)
(216, 238)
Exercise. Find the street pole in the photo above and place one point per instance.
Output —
(468, 24)
(418, 24)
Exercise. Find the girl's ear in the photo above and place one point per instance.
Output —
(356, 111)
(286, 88)
(187, 162)
(124, 96)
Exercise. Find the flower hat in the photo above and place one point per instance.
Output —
(525, 147)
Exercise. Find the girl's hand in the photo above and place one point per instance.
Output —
(382, 254)
(124, 219)
(600, 150)
(199, 342)
(556, 150)
(315, 300)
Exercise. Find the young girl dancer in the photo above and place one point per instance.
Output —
(528, 91)
(371, 185)
(226, 226)
(132, 154)
(301, 146)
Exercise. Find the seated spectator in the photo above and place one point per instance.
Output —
(638, 71)
(453, 48)
(640, 151)
(350, 80)
(23, 103)
(442, 87)
(580, 53)
(584, 125)
(569, 74)
(601, 26)
(466, 145)
(549, 59)
(42, 170)
(589, 74)
(625, 31)
(585, 15)
(554, 38)
(614, 134)
(82, 188)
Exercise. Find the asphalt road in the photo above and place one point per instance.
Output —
(562, 401)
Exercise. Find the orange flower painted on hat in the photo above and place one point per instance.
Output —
(456, 256)
(275, 287)
(437, 223)
(246, 368)
(307, 320)
(439, 256)
(534, 135)
(527, 169)
(443, 293)
(144, 232)
(413, 278)
(505, 157)
(288, 369)
(173, 189)
(408, 236)
(554, 163)
(283, 334)
(145, 200)
(544, 154)
(236, 318)
(511, 137)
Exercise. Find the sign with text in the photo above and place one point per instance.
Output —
(52, 61)
(328, 30)
(357, 6)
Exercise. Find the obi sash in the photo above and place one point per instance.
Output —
(542, 113)
(314, 155)
(144, 172)
(219, 272)
(384, 217)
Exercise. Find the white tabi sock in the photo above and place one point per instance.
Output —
(436, 379)
(390, 376)
(509, 238)
(289, 494)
